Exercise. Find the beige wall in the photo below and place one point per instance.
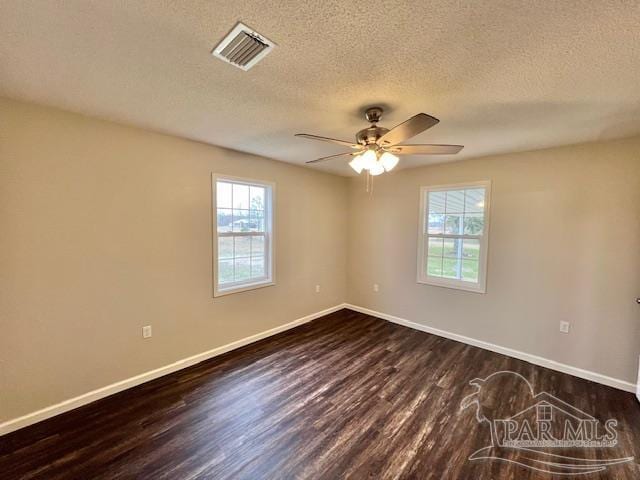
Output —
(107, 228)
(564, 245)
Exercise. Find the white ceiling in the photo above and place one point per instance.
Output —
(502, 76)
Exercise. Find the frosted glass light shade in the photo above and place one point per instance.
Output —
(357, 163)
(369, 159)
(376, 169)
(389, 160)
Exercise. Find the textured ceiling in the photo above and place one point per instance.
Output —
(502, 76)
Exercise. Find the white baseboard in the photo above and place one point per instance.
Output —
(527, 357)
(92, 396)
(70, 404)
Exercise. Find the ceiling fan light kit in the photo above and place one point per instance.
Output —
(377, 148)
(374, 161)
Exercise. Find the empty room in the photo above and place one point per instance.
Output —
(268, 240)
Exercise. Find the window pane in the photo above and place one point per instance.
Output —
(436, 202)
(242, 269)
(434, 266)
(242, 247)
(256, 221)
(453, 224)
(452, 247)
(225, 271)
(455, 201)
(473, 224)
(257, 246)
(470, 270)
(471, 248)
(223, 195)
(225, 248)
(474, 200)
(241, 196)
(257, 267)
(225, 218)
(451, 268)
(451, 216)
(240, 220)
(435, 246)
(435, 223)
(256, 195)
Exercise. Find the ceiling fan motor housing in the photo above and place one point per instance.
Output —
(368, 136)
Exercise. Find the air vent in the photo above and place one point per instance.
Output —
(243, 47)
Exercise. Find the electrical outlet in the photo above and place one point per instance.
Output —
(376, 288)
(317, 288)
(564, 327)
(146, 331)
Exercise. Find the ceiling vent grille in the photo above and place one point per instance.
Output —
(243, 47)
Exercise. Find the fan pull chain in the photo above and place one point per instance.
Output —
(369, 183)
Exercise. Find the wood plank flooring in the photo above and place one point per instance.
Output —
(345, 396)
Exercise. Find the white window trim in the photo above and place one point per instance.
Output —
(481, 286)
(270, 239)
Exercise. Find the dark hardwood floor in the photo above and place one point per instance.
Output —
(345, 396)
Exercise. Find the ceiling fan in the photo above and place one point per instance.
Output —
(376, 148)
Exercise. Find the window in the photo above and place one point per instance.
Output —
(454, 223)
(243, 234)
(545, 413)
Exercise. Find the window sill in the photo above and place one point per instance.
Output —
(453, 284)
(220, 292)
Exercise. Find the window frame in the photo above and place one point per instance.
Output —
(269, 235)
(423, 243)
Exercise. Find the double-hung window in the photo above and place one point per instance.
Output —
(452, 244)
(243, 234)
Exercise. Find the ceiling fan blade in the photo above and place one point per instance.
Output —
(425, 149)
(344, 143)
(322, 159)
(412, 127)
